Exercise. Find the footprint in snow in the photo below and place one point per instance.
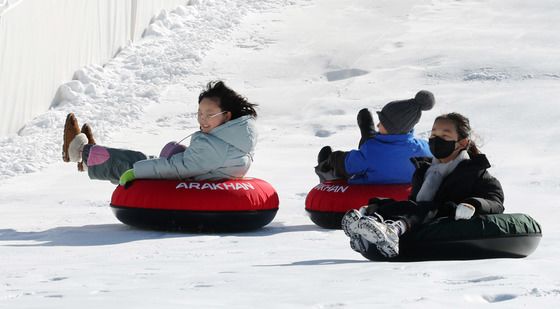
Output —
(486, 279)
(54, 296)
(498, 297)
(542, 293)
(344, 74)
(332, 305)
(333, 112)
(323, 133)
(202, 286)
(475, 280)
(485, 74)
(301, 195)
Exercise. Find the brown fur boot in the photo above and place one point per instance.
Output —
(71, 129)
(86, 129)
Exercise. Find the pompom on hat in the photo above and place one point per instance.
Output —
(400, 117)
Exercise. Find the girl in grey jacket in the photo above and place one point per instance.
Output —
(223, 148)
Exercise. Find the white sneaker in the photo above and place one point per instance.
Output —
(358, 244)
(349, 222)
(381, 233)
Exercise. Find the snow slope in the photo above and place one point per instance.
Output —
(7, 4)
(311, 65)
(36, 57)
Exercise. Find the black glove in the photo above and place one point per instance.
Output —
(324, 154)
(325, 172)
(446, 209)
(375, 203)
(366, 125)
(336, 161)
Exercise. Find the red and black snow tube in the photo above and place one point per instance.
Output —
(197, 206)
(327, 202)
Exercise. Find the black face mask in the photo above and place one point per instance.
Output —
(441, 148)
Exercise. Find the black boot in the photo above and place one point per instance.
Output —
(366, 125)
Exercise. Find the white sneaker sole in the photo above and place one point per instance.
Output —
(357, 244)
(376, 233)
(350, 221)
(387, 250)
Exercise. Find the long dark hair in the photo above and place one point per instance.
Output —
(463, 127)
(229, 100)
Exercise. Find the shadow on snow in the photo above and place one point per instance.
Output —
(111, 234)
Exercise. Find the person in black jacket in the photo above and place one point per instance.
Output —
(455, 183)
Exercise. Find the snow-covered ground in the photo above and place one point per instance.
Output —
(7, 4)
(311, 65)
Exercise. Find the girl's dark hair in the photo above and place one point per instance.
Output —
(463, 127)
(228, 100)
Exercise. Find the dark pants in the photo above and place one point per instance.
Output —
(106, 163)
(414, 214)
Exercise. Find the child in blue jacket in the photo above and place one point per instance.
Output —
(383, 157)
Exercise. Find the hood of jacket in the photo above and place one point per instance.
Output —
(241, 133)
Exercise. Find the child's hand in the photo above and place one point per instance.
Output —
(170, 149)
(127, 177)
(464, 211)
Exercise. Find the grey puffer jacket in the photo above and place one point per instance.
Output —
(224, 152)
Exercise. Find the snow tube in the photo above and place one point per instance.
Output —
(327, 202)
(196, 206)
(482, 237)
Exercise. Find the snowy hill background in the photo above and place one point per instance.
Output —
(311, 65)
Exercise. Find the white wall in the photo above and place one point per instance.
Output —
(43, 42)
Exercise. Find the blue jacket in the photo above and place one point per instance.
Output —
(385, 159)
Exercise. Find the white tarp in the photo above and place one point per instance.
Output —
(43, 42)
